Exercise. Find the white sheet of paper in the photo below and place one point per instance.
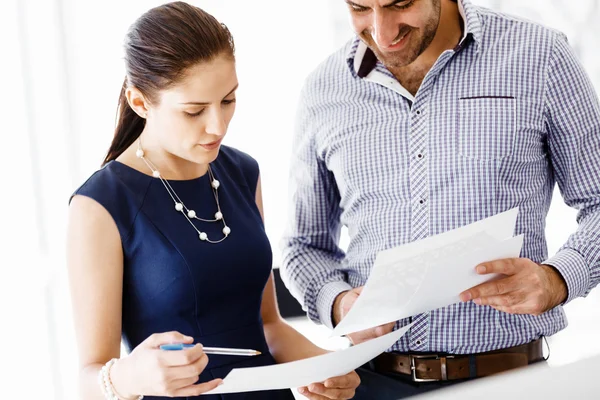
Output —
(499, 227)
(431, 273)
(307, 371)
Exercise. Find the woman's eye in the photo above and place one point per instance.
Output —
(192, 115)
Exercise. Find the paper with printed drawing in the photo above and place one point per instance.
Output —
(431, 273)
(304, 372)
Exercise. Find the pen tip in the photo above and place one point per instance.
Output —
(258, 353)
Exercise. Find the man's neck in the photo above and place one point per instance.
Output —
(448, 35)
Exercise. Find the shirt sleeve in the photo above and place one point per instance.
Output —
(312, 260)
(573, 120)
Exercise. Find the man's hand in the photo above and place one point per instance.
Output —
(528, 288)
(342, 305)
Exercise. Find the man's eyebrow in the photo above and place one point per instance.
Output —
(393, 3)
(354, 4)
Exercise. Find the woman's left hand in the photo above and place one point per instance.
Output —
(339, 387)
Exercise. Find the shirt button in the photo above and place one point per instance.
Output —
(421, 201)
(420, 156)
(418, 342)
(418, 112)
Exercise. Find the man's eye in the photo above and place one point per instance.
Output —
(357, 8)
(403, 6)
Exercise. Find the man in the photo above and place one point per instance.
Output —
(438, 114)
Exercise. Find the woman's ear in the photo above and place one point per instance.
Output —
(137, 101)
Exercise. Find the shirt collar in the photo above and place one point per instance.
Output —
(361, 60)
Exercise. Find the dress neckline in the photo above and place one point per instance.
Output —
(132, 170)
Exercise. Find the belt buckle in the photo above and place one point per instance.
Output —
(443, 366)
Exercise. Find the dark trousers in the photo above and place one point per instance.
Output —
(376, 386)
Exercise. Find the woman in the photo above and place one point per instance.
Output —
(166, 241)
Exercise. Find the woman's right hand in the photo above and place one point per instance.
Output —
(150, 371)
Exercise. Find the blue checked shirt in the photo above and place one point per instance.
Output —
(496, 123)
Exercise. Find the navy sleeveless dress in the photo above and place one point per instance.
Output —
(173, 281)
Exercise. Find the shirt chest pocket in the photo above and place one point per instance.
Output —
(486, 127)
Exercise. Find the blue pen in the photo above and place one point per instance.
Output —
(212, 350)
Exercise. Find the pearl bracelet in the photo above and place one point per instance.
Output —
(106, 384)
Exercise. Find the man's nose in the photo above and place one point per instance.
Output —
(384, 30)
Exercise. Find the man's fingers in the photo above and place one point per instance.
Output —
(384, 329)
(345, 381)
(317, 388)
(493, 288)
(362, 336)
(304, 391)
(359, 337)
(368, 334)
(346, 385)
(337, 382)
(510, 299)
(526, 289)
(335, 393)
(506, 266)
(516, 302)
(312, 396)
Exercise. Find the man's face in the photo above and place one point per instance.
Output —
(398, 31)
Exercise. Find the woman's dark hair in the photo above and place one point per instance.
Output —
(159, 47)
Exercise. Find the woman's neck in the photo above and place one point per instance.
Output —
(169, 165)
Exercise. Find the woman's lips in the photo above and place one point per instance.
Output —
(212, 145)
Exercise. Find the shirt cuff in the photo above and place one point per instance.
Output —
(325, 300)
(571, 265)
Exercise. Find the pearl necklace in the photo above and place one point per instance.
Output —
(189, 214)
